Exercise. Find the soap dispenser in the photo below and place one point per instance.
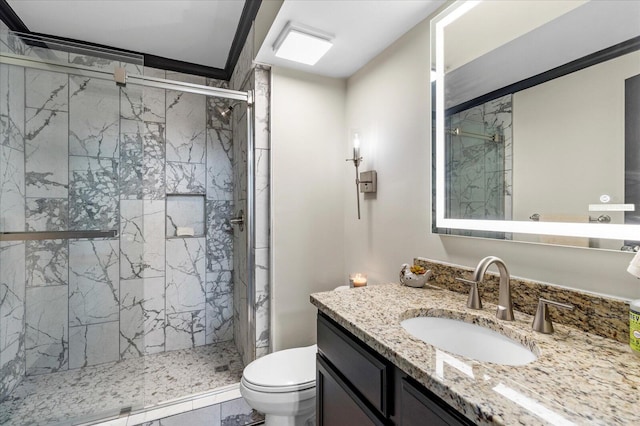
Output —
(634, 309)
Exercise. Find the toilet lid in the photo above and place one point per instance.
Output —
(285, 370)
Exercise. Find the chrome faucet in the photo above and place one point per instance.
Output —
(505, 306)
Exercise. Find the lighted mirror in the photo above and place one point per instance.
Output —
(537, 121)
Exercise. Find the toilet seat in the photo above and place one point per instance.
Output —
(288, 370)
(278, 389)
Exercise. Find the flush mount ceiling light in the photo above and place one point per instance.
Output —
(302, 44)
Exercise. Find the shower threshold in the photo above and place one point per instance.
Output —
(92, 394)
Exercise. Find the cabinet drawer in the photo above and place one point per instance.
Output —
(366, 372)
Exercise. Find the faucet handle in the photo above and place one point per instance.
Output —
(541, 321)
(473, 302)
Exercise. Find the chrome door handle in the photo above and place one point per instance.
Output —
(238, 220)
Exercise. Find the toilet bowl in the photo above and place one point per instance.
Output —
(282, 385)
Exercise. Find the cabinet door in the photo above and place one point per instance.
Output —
(421, 408)
(336, 404)
(362, 368)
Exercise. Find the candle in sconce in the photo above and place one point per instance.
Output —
(357, 280)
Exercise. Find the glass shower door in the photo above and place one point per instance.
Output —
(72, 259)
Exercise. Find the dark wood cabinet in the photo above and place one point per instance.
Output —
(357, 386)
(340, 406)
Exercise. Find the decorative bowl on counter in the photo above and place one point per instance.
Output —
(414, 276)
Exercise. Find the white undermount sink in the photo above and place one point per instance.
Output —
(469, 340)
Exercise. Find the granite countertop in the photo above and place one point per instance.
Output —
(578, 378)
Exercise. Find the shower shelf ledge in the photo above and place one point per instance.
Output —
(56, 235)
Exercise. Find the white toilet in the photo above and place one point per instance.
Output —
(282, 385)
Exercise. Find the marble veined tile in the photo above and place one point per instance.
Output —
(219, 282)
(215, 107)
(47, 330)
(154, 238)
(219, 165)
(185, 283)
(131, 159)
(262, 95)
(240, 160)
(262, 304)
(46, 150)
(93, 193)
(133, 64)
(94, 113)
(219, 235)
(93, 282)
(47, 90)
(93, 60)
(47, 214)
(154, 99)
(219, 310)
(219, 316)
(262, 200)
(186, 178)
(12, 106)
(51, 53)
(132, 103)
(185, 330)
(10, 42)
(142, 317)
(142, 238)
(12, 315)
(47, 262)
(186, 127)
(131, 239)
(153, 164)
(12, 201)
(93, 344)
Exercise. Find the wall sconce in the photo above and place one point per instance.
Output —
(366, 182)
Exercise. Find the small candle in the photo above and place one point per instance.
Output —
(357, 280)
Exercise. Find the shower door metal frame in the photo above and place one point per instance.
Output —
(161, 83)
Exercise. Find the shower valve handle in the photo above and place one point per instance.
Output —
(238, 220)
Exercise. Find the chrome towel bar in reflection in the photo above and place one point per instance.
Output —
(493, 138)
(56, 235)
(603, 218)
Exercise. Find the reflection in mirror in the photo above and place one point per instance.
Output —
(537, 122)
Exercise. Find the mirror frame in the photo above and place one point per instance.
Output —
(589, 230)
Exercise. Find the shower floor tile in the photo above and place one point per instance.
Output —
(106, 389)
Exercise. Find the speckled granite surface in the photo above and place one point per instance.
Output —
(595, 314)
(578, 378)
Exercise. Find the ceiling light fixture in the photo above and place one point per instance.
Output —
(302, 44)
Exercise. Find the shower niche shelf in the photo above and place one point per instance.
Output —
(185, 211)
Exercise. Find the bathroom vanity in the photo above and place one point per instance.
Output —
(357, 386)
(371, 371)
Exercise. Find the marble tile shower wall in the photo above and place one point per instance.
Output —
(81, 153)
(12, 217)
(250, 76)
(481, 178)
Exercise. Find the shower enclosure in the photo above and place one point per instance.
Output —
(479, 164)
(118, 186)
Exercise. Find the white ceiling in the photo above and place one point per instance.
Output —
(199, 32)
(362, 29)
